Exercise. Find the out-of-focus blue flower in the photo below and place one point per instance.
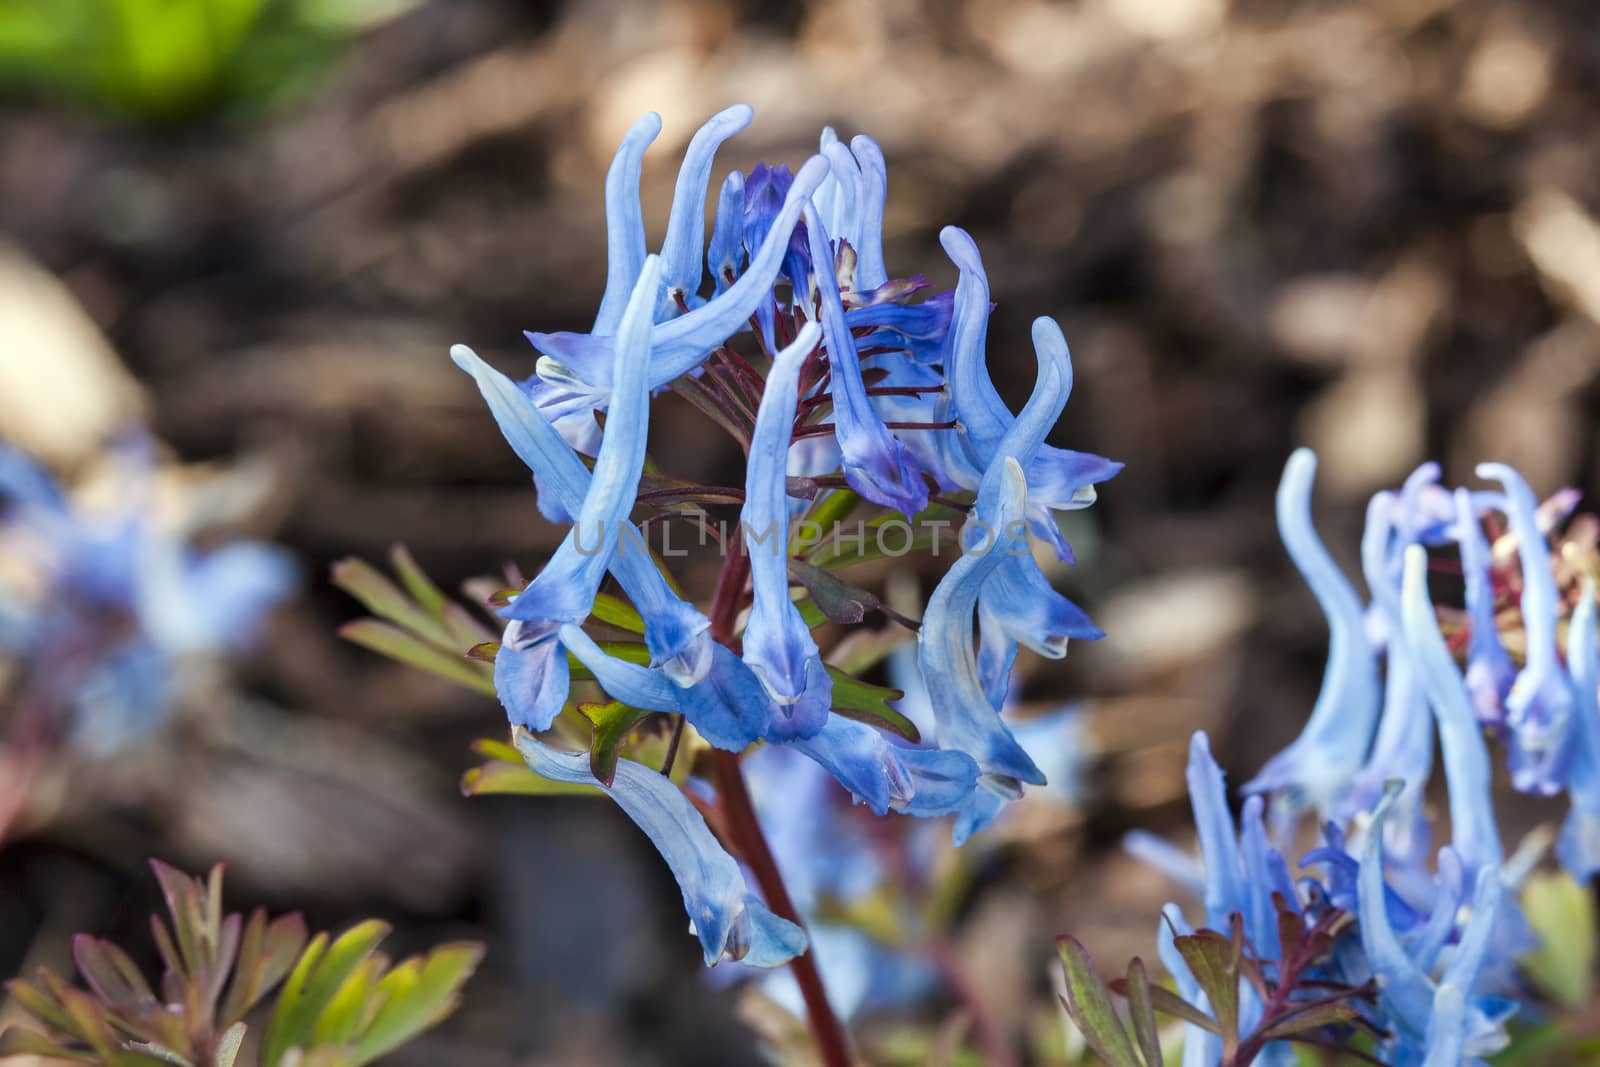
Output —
(1539, 706)
(1490, 671)
(777, 643)
(730, 921)
(1333, 746)
(115, 601)
(1579, 846)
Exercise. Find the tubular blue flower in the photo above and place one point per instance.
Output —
(1058, 479)
(965, 718)
(870, 272)
(1579, 846)
(1539, 706)
(1490, 672)
(1466, 759)
(844, 220)
(727, 706)
(1018, 597)
(1403, 747)
(886, 776)
(686, 225)
(730, 921)
(624, 222)
(679, 345)
(1333, 745)
(1225, 891)
(564, 590)
(1406, 994)
(725, 254)
(777, 643)
(876, 464)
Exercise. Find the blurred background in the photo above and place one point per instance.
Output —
(1367, 226)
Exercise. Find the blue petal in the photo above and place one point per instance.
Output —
(679, 345)
(884, 775)
(1539, 706)
(25, 482)
(725, 255)
(729, 920)
(844, 220)
(1473, 831)
(1579, 847)
(966, 720)
(1405, 992)
(1225, 891)
(216, 600)
(686, 225)
(870, 272)
(675, 631)
(777, 643)
(624, 222)
(1334, 743)
(876, 464)
(1167, 858)
(1490, 672)
(564, 590)
(530, 675)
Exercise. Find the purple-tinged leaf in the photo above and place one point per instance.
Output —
(1166, 1002)
(1088, 1001)
(1211, 960)
(110, 974)
(1141, 1013)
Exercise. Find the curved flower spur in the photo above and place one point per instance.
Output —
(838, 382)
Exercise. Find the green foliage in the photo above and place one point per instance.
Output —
(1294, 1009)
(169, 59)
(1562, 915)
(341, 1004)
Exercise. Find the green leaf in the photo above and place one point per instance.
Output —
(1209, 957)
(1141, 1013)
(387, 640)
(837, 599)
(429, 597)
(1562, 914)
(1167, 1002)
(1313, 1017)
(612, 724)
(1088, 1001)
(417, 996)
(228, 1046)
(497, 778)
(40, 1004)
(19, 1042)
(347, 1010)
(387, 601)
(868, 703)
(617, 612)
(818, 522)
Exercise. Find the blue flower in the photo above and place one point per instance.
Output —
(681, 269)
(1539, 706)
(1579, 846)
(1333, 745)
(1473, 832)
(118, 601)
(777, 643)
(966, 719)
(877, 464)
(730, 921)
(1490, 672)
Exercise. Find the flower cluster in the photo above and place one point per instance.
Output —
(99, 608)
(846, 388)
(1440, 933)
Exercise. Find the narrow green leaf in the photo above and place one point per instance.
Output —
(388, 601)
(417, 1000)
(1167, 1002)
(39, 1003)
(1210, 961)
(817, 524)
(346, 1012)
(18, 1042)
(617, 612)
(309, 990)
(868, 703)
(429, 597)
(1141, 1013)
(228, 1046)
(612, 724)
(1088, 1001)
(496, 778)
(387, 640)
(1315, 1017)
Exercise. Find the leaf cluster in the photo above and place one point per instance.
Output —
(1299, 1004)
(339, 1002)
